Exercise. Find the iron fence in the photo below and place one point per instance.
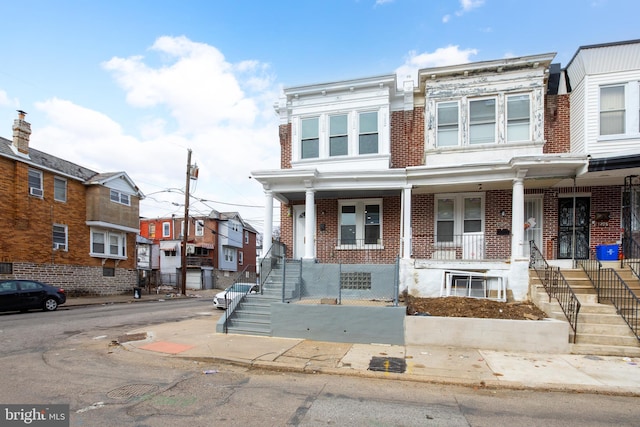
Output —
(556, 286)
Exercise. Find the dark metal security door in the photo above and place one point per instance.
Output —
(567, 233)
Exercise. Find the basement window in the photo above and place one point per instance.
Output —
(360, 281)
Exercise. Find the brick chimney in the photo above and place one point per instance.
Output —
(21, 132)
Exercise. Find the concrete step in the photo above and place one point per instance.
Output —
(606, 329)
(242, 330)
(599, 350)
(606, 340)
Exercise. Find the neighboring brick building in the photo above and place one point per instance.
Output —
(219, 247)
(65, 224)
(459, 174)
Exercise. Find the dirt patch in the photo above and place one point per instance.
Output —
(472, 307)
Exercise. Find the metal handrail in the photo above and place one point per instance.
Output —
(230, 304)
(631, 254)
(611, 287)
(276, 252)
(556, 286)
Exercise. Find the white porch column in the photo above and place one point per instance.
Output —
(268, 223)
(309, 224)
(406, 231)
(517, 221)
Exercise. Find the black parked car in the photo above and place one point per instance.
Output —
(28, 294)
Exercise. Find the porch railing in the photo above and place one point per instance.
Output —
(610, 287)
(233, 296)
(274, 256)
(631, 253)
(556, 286)
(462, 247)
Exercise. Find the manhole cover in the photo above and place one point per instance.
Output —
(132, 390)
(388, 364)
(132, 337)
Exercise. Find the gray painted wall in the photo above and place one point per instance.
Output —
(339, 323)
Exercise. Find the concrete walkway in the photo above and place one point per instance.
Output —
(197, 339)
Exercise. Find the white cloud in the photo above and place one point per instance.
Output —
(446, 19)
(223, 112)
(443, 56)
(468, 5)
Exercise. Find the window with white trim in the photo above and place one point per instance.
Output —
(35, 183)
(152, 230)
(199, 227)
(108, 243)
(309, 138)
(246, 237)
(479, 123)
(120, 197)
(482, 121)
(368, 132)
(518, 118)
(240, 257)
(166, 229)
(457, 215)
(229, 254)
(612, 110)
(59, 189)
(338, 135)
(59, 232)
(360, 222)
(447, 119)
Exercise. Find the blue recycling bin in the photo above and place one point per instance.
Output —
(607, 252)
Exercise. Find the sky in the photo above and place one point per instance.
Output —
(135, 85)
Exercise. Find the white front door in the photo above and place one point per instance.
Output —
(299, 228)
(533, 223)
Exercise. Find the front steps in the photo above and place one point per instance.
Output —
(252, 316)
(600, 329)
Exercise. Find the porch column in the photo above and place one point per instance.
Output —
(517, 215)
(309, 224)
(268, 223)
(406, 230)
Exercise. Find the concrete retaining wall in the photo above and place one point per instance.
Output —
(533, 336)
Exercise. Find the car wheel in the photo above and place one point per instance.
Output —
(50, 304)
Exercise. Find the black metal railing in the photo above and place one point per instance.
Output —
(556, 286)
(611, 288)
(631, 254)
(274, 256)
(235, 293)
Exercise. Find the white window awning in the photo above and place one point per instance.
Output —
(168, 246)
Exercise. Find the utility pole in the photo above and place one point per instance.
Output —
(185, 228)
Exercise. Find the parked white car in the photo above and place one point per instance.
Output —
(233, 293)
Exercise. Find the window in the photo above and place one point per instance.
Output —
(229, 254)
(338, 138)
(108, 243)
(447, 119)
(482, 121)
(59, 237)
(60, 189)
(612, 110)
(246, 237)
(360, 222)
(518, 118)
(119, 197)
(35, 183)
(152, 230)
(458, 214)
(368, 138)
(108, 272)
(310, 140)
(199, 227)
(166, 229)
(240, 257)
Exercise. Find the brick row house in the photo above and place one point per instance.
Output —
(65, 224)
(457, 175)
(220, 246)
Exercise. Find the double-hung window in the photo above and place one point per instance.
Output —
(482, 121)
(360, 222)
(338, 135)
(60, 237)
(368, 134)
(447, 117)
(518, 118)
(199, 227)
(119, 197)
(166, 229)
(60, 189)
(458, 215)
(35, 183)
(612, 110)
(108, 243)
(310, 138)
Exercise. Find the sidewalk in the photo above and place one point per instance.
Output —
(197, 339)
